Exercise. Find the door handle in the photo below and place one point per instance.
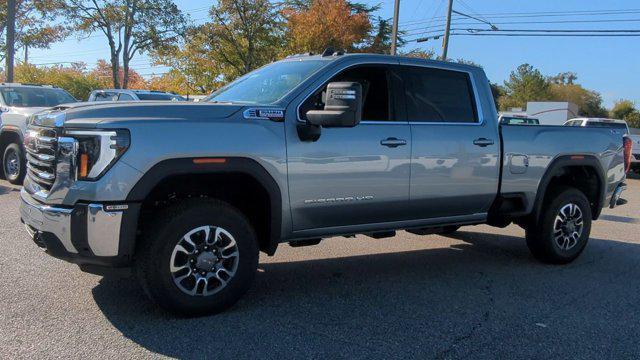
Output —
(393, 142)
(482, 142)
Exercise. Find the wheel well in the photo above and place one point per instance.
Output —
(6, 138)
(582, 177)
(237, 189)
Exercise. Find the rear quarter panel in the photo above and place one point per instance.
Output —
(541, 145)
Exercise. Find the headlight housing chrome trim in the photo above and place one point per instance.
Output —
(101, 149)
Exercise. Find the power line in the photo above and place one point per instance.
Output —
(579, 35)
(422, 28)
(492, 33)
(542, 14)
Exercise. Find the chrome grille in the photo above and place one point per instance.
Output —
(41, 145)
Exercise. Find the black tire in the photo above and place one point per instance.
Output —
(449, 229)
(154, 255)
(14, 157)
(541, 234)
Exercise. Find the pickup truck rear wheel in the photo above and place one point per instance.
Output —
(562, 231)
(197, 257)
(13, 164)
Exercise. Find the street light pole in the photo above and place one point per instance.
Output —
(445, 41)
(11, 37)
(394, 31)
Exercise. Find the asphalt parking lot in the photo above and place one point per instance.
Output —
(475, 294)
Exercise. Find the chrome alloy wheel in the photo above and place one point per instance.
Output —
(568, 226)
(204, 261)
(12, 164)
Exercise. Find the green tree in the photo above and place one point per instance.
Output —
(589, 102)
(419, 53)
(525, 84)
(380, 41)
(129, 26)
(241, 36)
(622, 109)
(35, 25)
(75, 78)
(245, 34)
(633, 119)
(195, 68)
(626, 110)
(564, 78)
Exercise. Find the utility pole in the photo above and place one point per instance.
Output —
(26, 54)
(394, 32)
(11, 37)
(445, 41)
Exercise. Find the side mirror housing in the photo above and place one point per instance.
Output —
(343, 106)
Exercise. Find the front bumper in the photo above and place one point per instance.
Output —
(85, 234)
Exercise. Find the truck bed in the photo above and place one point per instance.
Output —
(530, 151)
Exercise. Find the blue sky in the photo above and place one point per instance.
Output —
(609, 65)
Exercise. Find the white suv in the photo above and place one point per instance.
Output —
(599, 122)
(17, 103)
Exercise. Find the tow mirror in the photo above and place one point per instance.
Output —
(343, 106)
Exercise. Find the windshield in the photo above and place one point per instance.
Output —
(35, 96)
(267, 84)
(608, 124)
(157, 97)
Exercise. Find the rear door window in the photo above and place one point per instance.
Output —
(436, 95)
(125, 97)
(105, 96)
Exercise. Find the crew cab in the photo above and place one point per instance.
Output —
(306, 148)
(17, 103)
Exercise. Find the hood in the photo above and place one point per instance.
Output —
(90, 114)
(26, 111)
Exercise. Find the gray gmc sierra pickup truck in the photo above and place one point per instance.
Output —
(187, 194)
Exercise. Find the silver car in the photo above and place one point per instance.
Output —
(133, 95)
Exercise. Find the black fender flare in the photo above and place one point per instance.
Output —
(557, 166)
(11, 129)
(218, 165)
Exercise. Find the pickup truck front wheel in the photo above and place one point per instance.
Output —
(198, 257)
(13, 164)
(562, 231)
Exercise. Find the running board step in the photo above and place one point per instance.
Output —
(426, 231)
(381, 234)
(305, 242)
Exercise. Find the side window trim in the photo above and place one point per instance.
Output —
(477, 107)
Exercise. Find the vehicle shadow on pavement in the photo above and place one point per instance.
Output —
(7, 189)
(484, 296)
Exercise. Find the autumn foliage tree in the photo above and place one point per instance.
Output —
(76, 79)
(102, 72)
(326, 23)
(130, 27)
(195, 68)
(240, 36)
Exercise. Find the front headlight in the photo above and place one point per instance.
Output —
(98, 150)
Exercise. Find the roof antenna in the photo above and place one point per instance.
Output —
(328, 51)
